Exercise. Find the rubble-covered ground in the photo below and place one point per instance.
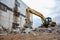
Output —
(54, 35)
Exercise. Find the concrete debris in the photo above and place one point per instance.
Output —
(31, 31)
(32, 34)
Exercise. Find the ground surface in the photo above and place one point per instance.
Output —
(55, 35)
(42, 36)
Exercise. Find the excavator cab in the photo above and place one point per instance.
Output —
(48, 20)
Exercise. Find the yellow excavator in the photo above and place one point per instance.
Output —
(45, 21)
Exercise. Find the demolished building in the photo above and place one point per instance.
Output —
(7, 17)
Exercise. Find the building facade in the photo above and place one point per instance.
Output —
(7, 16)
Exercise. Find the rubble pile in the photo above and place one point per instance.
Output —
(32, 34)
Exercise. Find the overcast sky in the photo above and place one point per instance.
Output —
(49, 8)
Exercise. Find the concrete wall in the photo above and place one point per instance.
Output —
(9, 3)
(22, 21)
(22, 10)
(6, 19)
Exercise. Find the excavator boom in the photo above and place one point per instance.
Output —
(28, 11)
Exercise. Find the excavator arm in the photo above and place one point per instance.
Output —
(44, 21)
(29, 10)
